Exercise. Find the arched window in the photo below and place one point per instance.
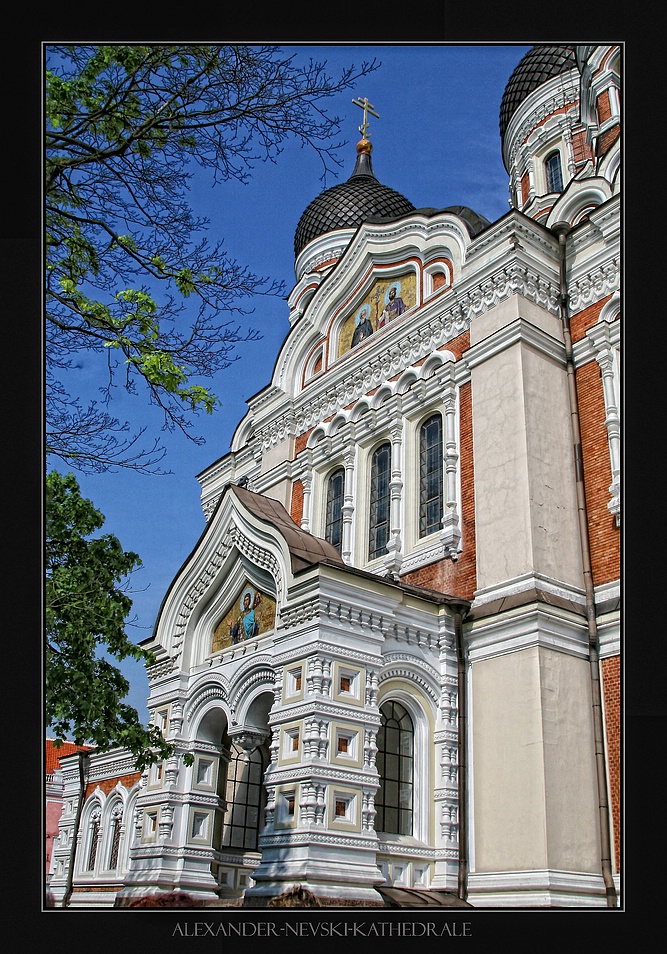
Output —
(395, 760)
(334, 518)
(430, 476)
(94, 839)
(554, 172)
(116, 822)
(244, 794)
(378, 535)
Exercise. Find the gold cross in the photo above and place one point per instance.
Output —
(367, 108)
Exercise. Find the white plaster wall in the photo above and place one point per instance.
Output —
(556, 548)
(525, 502)
(277, 454)
(508, 763)
(502, 512)
(573, 832)
(533, 763)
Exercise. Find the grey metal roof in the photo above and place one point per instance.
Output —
(346, 205)
(537, 66)
(305, 548)
(474, 222)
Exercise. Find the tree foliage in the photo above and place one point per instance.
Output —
(129, 275)
(86, 609)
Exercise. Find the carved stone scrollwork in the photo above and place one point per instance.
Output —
(248, 740)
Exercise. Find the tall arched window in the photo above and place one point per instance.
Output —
(395, 760)
(244, 794)
(378, 534)
(94, 839)
(553, 169)
(333, 531)
(116, 822)
(430, 476)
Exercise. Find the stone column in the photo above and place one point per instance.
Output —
(394, 556)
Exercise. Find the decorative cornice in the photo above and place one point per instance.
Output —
(296, 614)
(321, 706)
(519, 330)
(316, 771)
(535, 624)
(406, 672)
(293, 838)
(597, 283)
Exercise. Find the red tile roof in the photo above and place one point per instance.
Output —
(54, 753)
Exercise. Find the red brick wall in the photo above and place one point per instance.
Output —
(583, 320)
(607, 139)
(611, 688)
(603, 107)
(603, 533)
(296, 508)
(108, 784)
(301, 441)
(525, 188)
(580, 148)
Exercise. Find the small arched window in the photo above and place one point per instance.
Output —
(380, 501)
(430, 476)
(333, 530)
(554, 172)
(395, 761)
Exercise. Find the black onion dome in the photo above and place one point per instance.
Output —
(348, 204)
(537, 66)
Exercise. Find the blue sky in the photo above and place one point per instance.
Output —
(436, 141)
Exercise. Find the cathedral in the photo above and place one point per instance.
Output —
(393, 656)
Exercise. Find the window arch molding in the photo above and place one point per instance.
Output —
(129, 815)
(406, 692)
(87, 861)
(553, 171)
(604, 341)
(580, 195)
(114, 832)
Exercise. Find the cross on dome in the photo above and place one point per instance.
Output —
(367, 108)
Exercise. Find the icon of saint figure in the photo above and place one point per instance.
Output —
(247, 624)
(394, 306)
(364, 328)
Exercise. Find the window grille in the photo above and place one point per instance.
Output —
(244, 795)
(395, 760)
